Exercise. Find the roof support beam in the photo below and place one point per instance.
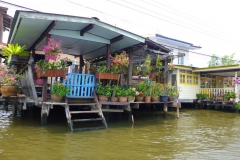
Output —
(43, 35)
(116, 39)
(75, 34)
(84, 30)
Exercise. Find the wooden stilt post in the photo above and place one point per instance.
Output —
(165, 109)
(108, 55)
(129, 82)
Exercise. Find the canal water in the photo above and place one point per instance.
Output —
(198, 134)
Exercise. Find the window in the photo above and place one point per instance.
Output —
(180, 59)
(182, 78)
(188, 78)
(195, 79)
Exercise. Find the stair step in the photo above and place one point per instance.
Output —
(82, 104)
(83, 120)
(90, 128)
(76, 112)
(112, 110)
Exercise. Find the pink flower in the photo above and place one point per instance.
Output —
(137, 93)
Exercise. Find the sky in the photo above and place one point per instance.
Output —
(212, 24)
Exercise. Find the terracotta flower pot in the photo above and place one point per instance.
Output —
(139, 98)
(147, 99)
(122, 99)
(113, 99)
(102, 98)
(155, 98)
(56, 98)
(9, 90)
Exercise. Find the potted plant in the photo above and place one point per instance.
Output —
(171, 67)
(104, 92)
(107, 73)
(140, 89)
(12, 52)
(230, 96)
(173, 92)
(9, 81)
(131, 92)
(56, 68)
(121, 93)
(237, 107)
(146, 66)
(163, 92)
(158, 63)
(155, 89)
(59, 90)
(201, 96)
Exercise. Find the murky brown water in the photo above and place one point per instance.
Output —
(198, 134)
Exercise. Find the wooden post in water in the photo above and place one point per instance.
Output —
(165, 108)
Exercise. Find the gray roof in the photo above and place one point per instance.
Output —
(28, 27)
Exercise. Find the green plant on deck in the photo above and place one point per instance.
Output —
(60, 89)
(201, 96)
(229, 95)
(121, 91)
(237, 106)
(174, 91)
(104, 90)
(12, 49)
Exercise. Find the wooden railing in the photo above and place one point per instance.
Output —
(215, 92)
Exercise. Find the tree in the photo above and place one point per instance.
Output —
(214, 61)
(226, 60)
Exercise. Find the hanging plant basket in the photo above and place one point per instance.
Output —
(170, 71)
(51, 73)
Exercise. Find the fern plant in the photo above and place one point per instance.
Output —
(12, 49)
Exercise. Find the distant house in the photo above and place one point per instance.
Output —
(179, 47)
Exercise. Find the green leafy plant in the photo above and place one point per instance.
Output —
(61, 64)
(158, 62)
(237, 106)
(141, 87)
(201, 96)
(155, 89)
(59, 89)
(174, 91)
(229, 95)
(12, 49)
(131, 91)
(121, 91)
(104, 90)
(146, 66)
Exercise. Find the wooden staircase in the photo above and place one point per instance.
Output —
(82, 96)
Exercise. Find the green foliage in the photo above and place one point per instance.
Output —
(121, 91)
(201, 96)
(237, 106)
(59, 89)
(43, 64)
(230, 95)
(226, 60)
(173, 91)
(131, 92)
(142, 87)
(146, 66)
(155, 89)
(104, 90)
(11, 49)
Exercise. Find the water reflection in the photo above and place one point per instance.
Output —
(198, 134)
